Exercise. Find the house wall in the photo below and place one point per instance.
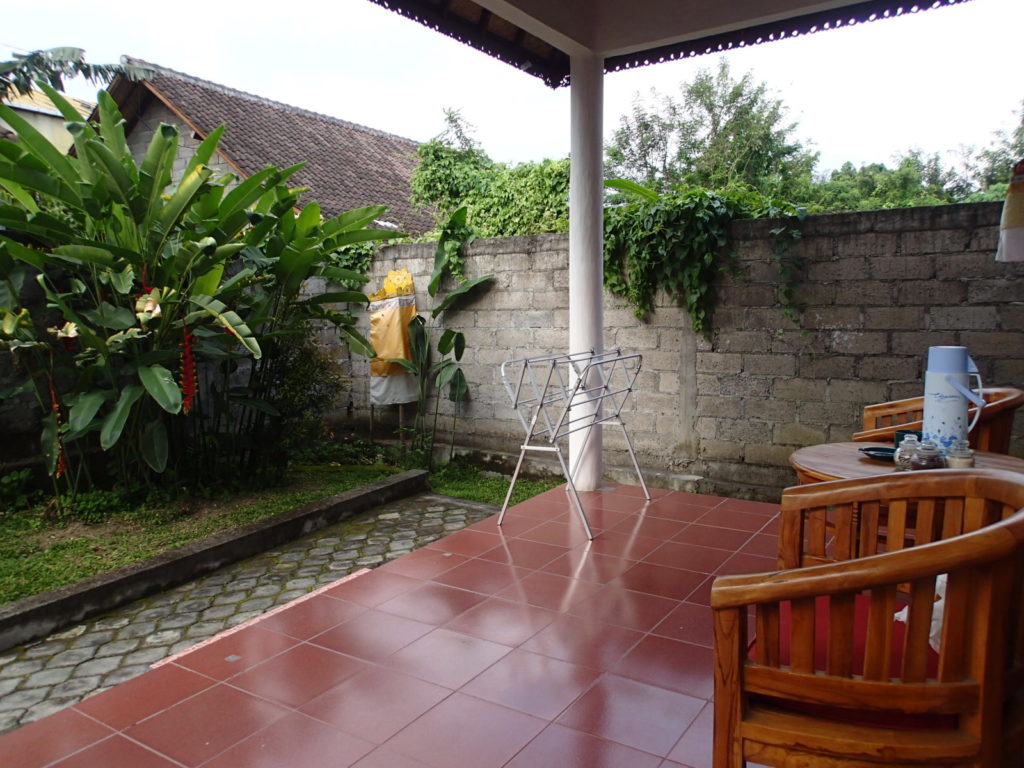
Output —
(142, 134)
(724, 413)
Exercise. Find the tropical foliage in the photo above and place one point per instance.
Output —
(501, 200)
(721, 134)
(160, 321)
(678, 243)
(19, 75)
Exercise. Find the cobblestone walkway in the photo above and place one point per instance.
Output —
(49, 674)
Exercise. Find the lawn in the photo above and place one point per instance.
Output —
(39, 553)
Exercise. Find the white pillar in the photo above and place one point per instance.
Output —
(586, 239)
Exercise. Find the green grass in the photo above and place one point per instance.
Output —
(466, 481)
(37, 555)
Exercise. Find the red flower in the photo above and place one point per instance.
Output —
(188, 370)
(62, 464)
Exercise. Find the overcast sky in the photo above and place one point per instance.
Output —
(935, 81)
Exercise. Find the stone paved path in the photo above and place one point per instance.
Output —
(50, 674)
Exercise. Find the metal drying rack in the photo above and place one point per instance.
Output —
(555, 396)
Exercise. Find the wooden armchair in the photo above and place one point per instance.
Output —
(992, 432)
(831, 679)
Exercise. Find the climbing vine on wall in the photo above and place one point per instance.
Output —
(677, 242)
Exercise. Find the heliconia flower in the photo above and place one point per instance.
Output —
(188, 370)
(62, 464)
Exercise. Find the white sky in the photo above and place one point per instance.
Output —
(934, 81)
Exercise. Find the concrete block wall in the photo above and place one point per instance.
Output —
(157, 112)
(723, 413)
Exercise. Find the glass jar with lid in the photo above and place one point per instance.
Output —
(960, 456)
(905, 451)
(927, 456)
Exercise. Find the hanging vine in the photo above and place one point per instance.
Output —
(676, 242)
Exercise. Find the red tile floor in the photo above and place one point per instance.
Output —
(524, 646)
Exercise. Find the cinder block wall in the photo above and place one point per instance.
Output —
(723, 413)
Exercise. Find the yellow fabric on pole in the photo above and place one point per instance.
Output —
(391, 310)
(1011, 227)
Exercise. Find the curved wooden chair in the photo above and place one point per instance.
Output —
(832, 679)
(992, 433)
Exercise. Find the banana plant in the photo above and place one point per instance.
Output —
(145, 277)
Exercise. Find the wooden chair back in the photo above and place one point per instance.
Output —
(834, 681)
(992, 433)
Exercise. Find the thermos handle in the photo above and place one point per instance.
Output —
(975, 397)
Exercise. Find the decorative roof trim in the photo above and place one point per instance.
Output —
(554, 69)
(821, 21)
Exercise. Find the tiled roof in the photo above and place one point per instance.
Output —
(347, 165)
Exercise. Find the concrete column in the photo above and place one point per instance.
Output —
(586, 238)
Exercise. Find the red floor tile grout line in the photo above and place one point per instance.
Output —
(257, 619)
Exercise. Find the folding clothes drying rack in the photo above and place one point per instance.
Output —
(557, 395)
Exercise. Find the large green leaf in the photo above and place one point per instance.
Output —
(342, 275)
(205, 150)
(85, 408)
(88, 254)
(20, 252)
(207, 283)
(338, 297)
(154, 445)
(49, 442)
(458, 390)
(114, 423)
(18, 192)
(625, 185)
(109, 316)
(459, 292)
(39, 146)
(354, 219)
(155, 171)
(231, 322)
(161, 386)
(356, 341)
(119, 181)
(112, 128)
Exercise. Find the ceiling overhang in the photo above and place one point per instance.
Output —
(539, 36)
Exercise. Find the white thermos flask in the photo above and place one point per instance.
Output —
(947, 394)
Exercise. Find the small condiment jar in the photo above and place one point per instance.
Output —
(905, 452)
(960, 456)
(927, 456)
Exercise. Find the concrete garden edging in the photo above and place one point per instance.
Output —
(37, 616)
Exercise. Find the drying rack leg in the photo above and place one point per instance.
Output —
(511, 485)
(636, 465)
(574, 494)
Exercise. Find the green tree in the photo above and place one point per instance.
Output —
(722, 133)
(501, 200)
(51, 66)
(989, 168)
(916, 180)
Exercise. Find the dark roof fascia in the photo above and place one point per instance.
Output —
(873, 10)
(554, 70)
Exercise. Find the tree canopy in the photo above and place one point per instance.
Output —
(502, 200)
(721, 133)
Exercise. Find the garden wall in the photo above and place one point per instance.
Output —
(723, 413)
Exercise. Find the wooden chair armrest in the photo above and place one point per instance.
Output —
(887, 569)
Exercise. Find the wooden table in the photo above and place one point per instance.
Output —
(843, 461)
